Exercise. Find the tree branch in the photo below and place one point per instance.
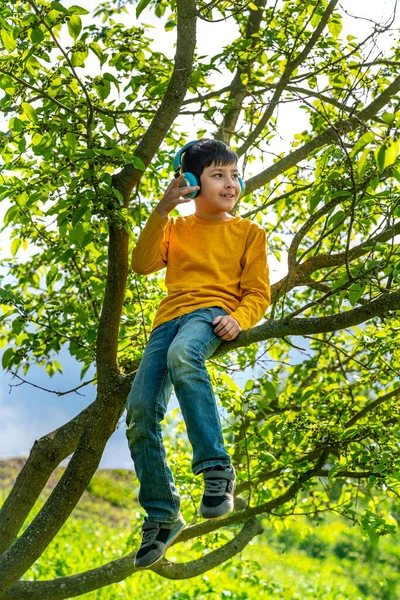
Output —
(169, 108)
(43, 94)
(301, 274)
(371, 406)
(284, 80)
(193, 568)
(119, 569)
(238, 91)
(285, 327)
(45, 456)
(329, 135)
(125, 180)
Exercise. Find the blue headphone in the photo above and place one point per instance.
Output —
(191, 178)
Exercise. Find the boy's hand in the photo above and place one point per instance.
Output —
(227, 327)
(174, 196)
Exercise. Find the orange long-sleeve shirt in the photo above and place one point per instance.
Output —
(209, 263)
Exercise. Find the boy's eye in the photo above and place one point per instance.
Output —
(220, 175)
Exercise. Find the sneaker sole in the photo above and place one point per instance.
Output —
(178, 532)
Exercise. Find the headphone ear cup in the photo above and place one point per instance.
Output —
(242, 186)
(190, 179)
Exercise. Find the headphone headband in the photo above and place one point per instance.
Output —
(178, 156)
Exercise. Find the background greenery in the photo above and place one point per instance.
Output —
(316, 557)
(93, 122)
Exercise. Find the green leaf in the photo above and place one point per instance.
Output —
(355, 292)
(18, 324)
(103, 89)
(58, 366)
(15, 244)
(137, 163)
(361, 163)
(9, 43)
(141, 6)
(71, 140)
(111, 77)
(78, 10)
(348, 433)
(78, 58)
(365, 139)
(249, 385)
(76, 234)
(78, 214)
(388, 117)
(74, 26)
(335, 25)
(230, 383)
(316, 197)
(59, 7)
(6, 359)
(30, 112)
(270, 390)
(95, 47)
(386, 154)
(37, 35)
(336, 218)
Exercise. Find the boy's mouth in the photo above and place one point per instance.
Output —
(227, 195)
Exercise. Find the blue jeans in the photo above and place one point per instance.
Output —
(174, 355)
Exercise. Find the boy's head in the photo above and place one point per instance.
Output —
(214, 164)
(204, 152)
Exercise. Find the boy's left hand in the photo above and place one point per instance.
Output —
(226, 328)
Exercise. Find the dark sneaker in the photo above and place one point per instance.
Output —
(219, 487)
(156, 539)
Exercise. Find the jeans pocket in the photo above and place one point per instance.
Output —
(216, 311)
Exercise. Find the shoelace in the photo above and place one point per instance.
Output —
(149, 535)
(214, 487)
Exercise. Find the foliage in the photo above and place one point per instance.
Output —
(282, 564)
(94, 114)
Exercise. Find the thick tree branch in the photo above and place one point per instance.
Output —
(46, 454)
(193, 568)
(285, 327)
(169, 108)
(105, 414)
(118, 570)
(124, 181)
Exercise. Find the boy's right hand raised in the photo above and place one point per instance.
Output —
(174, 196)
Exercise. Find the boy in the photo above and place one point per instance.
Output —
(218, 284)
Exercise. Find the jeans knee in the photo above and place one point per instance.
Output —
(182, 359)
(139, 423)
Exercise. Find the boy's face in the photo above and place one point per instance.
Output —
(220, 190)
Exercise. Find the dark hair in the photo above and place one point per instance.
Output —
(204, 152)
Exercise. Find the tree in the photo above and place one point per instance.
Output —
(321, 431)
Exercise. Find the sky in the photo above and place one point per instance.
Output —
(26, 413)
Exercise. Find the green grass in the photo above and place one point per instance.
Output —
(301, 559)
